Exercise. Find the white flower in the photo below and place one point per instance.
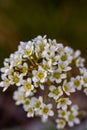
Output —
(77, 54)
(28, 87)
(55, 92)
(83, 71)
(26, 104)
(74, 109)
(68, 87)
(49, 51)
(77, 82)
(9, 72)
(19, 96)
(15, 78)
(65, 58)
(62, 114)
(24, 68)
(68, 50)
(57, 76)
(71, 119)
(47, 65)
(60, 123)
(40, 46)
(28, 50)
(38, 104)
(80, 62)
(15, 59)
(39, 75)
(21, 47)
(30, 112)
(6, 69)
(60, 48)
(5, 83)
(63, 102)
(64, 67)
(46, 111)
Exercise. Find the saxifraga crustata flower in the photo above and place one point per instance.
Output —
(44, 72)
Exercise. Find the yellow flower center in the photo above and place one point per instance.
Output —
(64, 58)
(45, 110)
(28, 86)
(16, 79)
(40, 75)
(71, 117)
(38, 104)
(31, 110)
(56, 91)
(62, 123)
(63, 67)
(85, 80)
(63, 113)
(29, 52)
(27, 102)
(63, 101)
(24, 70)
(77, 83)
(57, 75)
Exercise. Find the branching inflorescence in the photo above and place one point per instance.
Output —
(46, 74)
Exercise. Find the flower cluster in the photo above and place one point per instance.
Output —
(46, 74)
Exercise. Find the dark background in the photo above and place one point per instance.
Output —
(22, 20)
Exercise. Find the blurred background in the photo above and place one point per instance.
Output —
(22, 20)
